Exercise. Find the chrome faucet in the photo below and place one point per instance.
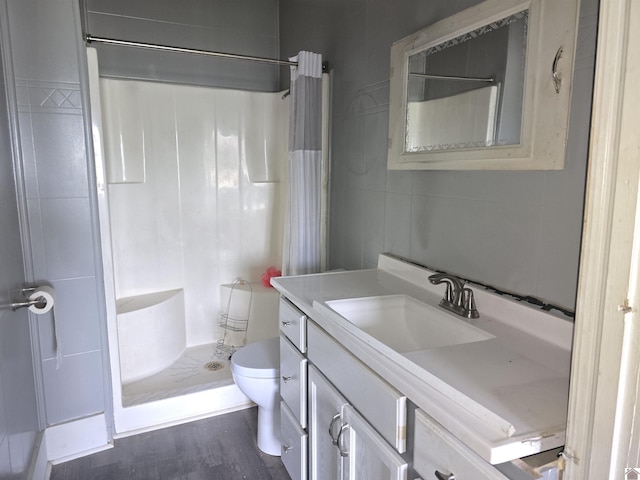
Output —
(457, 298)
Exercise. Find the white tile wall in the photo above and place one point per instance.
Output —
(30, 172)
(399, 181)
(68, 238)
(397, 222)
(372, 244)
(515, 246)
(73, 387)
(243, 14)
(75, 304)
(45, 46)
(60, 137)
(44, 40)
(376, 126)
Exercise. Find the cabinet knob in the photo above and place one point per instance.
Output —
(286, 323)
(286, 448)
(444, 476)
(286, 379)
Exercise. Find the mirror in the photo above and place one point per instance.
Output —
(488, 88)
(467, 92)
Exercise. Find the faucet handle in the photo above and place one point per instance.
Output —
(469, 303)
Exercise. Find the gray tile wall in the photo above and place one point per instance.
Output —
(45, 38)
(246, 27)
(527, 225)
(19, 416)
(519, 231)
(48, 63)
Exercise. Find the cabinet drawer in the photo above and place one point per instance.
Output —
(435, 449)
(293, 380)
(294, 445)
(293, 324)
(379, 403)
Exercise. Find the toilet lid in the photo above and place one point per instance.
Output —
(258, 360)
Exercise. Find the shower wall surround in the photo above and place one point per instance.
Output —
(518, 231)
(207, 203)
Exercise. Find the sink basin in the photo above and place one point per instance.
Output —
(405, 324)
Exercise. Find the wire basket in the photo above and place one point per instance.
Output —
(234, 328)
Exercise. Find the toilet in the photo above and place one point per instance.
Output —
(256, 371)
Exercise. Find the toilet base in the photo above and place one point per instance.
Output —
(269, 431)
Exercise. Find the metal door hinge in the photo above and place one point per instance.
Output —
(625, 307)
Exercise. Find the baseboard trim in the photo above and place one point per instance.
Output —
(40, 468)
(76, 439)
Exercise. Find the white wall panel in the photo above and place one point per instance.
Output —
(211, 207)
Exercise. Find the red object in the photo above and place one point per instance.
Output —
(271, 272)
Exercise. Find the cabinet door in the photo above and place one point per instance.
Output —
(325, 421)
(370, 457)
(438, 452)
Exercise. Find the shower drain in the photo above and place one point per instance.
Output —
(213, 366)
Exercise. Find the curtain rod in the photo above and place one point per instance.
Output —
(452, 77)
(151, 46)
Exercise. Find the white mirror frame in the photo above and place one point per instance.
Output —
(545, 113)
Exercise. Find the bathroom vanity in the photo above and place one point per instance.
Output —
(379, 382)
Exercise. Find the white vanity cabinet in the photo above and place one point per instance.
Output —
(356, 422)
(486, 408)
(342, 444)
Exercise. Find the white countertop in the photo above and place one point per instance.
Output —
(505, 397)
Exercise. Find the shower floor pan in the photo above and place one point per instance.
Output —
(192, 372)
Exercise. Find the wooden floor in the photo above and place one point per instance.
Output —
(217, 448)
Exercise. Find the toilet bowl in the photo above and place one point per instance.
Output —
(256, 370)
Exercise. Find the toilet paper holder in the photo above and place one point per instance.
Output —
(39, 302)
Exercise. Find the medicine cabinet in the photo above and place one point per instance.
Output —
(485, 89)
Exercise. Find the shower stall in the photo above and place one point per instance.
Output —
(192, 185)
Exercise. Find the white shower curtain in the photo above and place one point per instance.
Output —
(302, 243)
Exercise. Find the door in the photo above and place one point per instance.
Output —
(18, 408)
(325, 422)
(602, 436)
